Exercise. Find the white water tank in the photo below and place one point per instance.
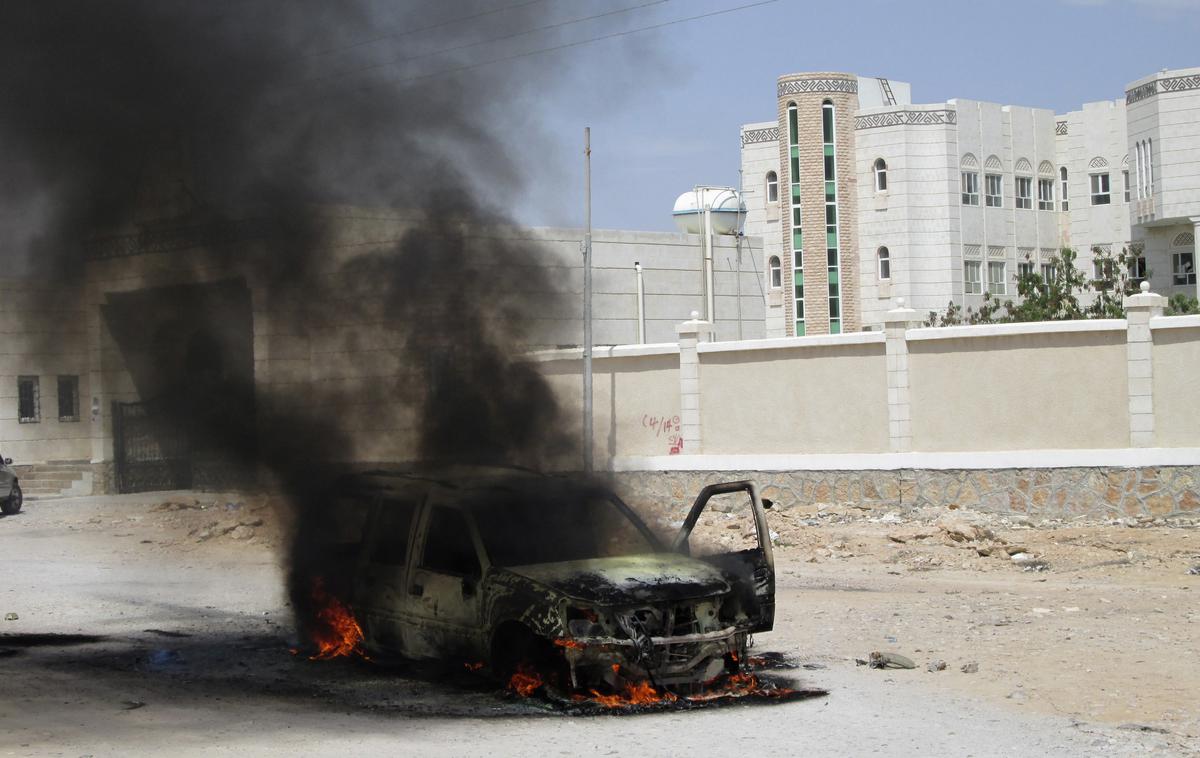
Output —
(728, 210)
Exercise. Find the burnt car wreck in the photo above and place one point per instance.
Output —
(550, 584)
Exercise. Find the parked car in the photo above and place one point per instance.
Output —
(508, 568)
(12, 499)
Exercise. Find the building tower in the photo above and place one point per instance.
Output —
(818, 208)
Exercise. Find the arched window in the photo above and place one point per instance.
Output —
(885, 263)
(880, 175)
(1062, 174)
(772, 187)
(1150, 167)
(775, 272)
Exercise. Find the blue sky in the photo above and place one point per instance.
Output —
(665, 106)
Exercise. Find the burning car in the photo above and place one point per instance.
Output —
(551, 582)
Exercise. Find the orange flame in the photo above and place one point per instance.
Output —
(335, 632)
(569, 644)
(525, 681)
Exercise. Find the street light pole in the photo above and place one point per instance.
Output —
(587, 301)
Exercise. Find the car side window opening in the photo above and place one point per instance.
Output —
(392, 532)
(448, 545)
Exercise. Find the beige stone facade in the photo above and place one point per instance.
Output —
(808, 92)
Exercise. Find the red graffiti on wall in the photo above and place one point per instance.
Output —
(668, 426)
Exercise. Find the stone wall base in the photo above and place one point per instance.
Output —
(1099, 493)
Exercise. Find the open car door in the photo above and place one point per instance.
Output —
(753, 569)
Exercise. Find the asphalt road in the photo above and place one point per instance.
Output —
(126, 647)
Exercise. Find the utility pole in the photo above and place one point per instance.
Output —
(587, 301)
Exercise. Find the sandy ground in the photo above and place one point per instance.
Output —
(155, 624)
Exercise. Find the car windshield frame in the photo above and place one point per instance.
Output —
(478, 503)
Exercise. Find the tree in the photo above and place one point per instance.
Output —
(1055, 296)
(1182, 305)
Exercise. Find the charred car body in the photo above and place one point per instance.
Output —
(514, 569)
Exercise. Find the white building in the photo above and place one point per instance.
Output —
(950, 200)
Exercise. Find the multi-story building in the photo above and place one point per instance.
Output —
(949, 202)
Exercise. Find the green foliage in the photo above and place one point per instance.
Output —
(1182, 305)
(1056, 297)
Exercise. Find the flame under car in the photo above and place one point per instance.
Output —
(551, 581)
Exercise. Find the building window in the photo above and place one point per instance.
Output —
(1062, 175)
(996, 283)
(1149, 168)
(1024, 269)
(1049, 272)
(1183, 268)
(1137, 268)
(885, 263)
(68, 398)
(833, 262)
(1125, 184)
(1139, 167)
(1025, 192)
(772, 187)
(775, 270)
(1101, 270)
(29, 401)
(1045, 194)
(993, 187)
(880, 175)
(827, 121)
(797, 234)
(972, 281)
(1100, 190)
(970, 188)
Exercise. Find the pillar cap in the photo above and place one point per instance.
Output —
(1145, 299)
(694, 325)
(900, 314)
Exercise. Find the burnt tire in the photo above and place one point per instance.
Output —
(515, 645)
(12, 504)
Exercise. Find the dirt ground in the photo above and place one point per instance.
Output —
(152, 623)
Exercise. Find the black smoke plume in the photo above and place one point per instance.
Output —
(202, 137)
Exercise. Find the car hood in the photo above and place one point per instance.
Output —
(629, 579)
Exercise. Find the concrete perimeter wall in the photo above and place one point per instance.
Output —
(1043, 386)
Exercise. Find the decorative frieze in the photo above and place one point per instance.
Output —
(1170, 84)
(824, 84)
(906, 118)
(758, 136)
(1180, 83)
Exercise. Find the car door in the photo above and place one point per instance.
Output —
(753, 568)
(443, 605)
(382, 583)
(6, 477)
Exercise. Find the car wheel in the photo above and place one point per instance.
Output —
(13, 503)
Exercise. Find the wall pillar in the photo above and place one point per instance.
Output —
(1139, 309)
(895, 323)
(689, 380)
(1196, 251)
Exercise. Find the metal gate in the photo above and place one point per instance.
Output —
(151, 451)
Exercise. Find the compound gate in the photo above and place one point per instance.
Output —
(151, 450)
